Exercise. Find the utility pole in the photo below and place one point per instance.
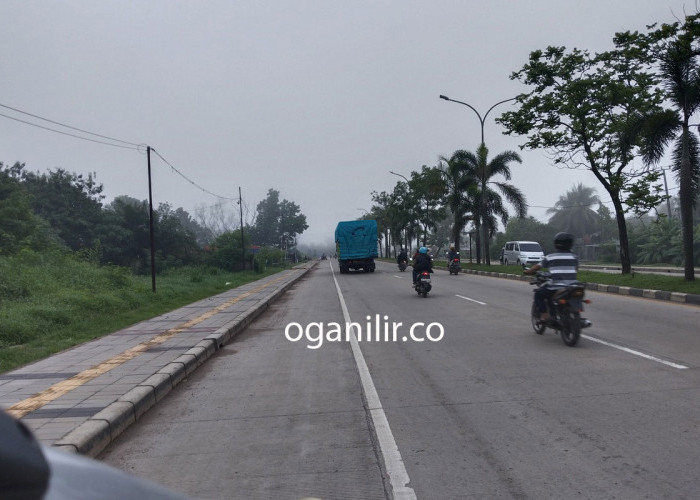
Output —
(240, 206)
(150, 219)
(668, 199)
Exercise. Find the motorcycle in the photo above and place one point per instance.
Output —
(402, 265)
(423, 285)
(565, 307)
(454, 267)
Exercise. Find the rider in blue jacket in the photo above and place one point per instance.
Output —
(421, 262)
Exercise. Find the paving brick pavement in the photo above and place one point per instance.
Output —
(83, 398)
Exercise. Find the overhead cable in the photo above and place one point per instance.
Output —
(190, 180)
(68, 133)
(63, 125)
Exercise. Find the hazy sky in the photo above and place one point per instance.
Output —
(317, 99)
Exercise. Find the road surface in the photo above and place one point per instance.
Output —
(486, 409)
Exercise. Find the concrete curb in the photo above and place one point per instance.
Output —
(92, 436)
(682, 298)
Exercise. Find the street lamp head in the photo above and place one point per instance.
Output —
(444, 97)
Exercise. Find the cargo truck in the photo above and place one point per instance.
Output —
(356, 245)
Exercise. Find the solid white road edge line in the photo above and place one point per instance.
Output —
(472, 300)
(398, 477)
(636, 353)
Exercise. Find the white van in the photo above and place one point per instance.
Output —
(522, 253)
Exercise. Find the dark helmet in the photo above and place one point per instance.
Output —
(563, 242)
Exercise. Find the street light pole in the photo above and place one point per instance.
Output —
(481, 120)
(483, 145)
(404, 178)
(408, 243)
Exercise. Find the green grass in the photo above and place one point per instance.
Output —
(635, 280)
(49, 303)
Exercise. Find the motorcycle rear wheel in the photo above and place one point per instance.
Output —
(537, 324)
(571, 328)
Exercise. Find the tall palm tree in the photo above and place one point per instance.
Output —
(460, 186)
(491, 203)
(680, 74)
(488, 203)
(573, 213)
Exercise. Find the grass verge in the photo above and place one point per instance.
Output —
(634, 280)
(49, 303)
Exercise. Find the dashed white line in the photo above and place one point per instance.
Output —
(471, 300)
(636, 353)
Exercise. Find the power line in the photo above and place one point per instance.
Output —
(190, 180)
(124, 144)
(63, 125)
(68, 133)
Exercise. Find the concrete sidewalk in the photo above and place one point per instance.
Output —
(83, 398)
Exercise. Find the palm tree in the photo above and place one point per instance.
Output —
(488, 203)
(680, 74)
(573, 212)
(460, 186)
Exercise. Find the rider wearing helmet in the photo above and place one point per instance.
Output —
(452, 254)
(421, 262)
(562, 265)
(402, 256)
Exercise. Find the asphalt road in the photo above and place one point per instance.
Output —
(487, 409)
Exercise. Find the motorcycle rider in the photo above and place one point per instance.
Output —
(421, 262)
(402, 257)
(452, 254)
(562, 265)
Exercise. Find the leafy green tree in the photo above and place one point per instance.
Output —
(427, 191)
(657, 243)
(276, 220)
(573, 213)
(292, 221)
(17, 221)
(403, 213)
(125, 234)
(175, 244)
(202, 234)
(226, 250)
(381, 212)
(608, 226)
(678, 52)
(585, 110)
(71, 204)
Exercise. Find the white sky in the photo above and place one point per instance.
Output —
(317, 99)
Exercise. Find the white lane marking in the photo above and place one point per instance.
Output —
(636, 353)
(398, 477)
(471, 300)
(397, 276)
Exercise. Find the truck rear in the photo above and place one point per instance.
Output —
(356, 244)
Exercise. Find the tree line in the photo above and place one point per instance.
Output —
(594, 111)
(59, 209)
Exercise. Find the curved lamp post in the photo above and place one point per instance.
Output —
(481, 120)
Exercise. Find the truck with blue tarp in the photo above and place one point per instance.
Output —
(356, 245)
